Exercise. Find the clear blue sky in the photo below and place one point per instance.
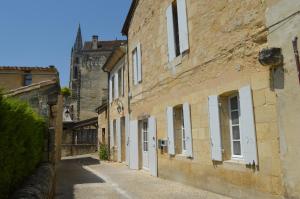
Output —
(42, 32)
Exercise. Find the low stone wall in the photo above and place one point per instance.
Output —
(79, 149)
(41, 185)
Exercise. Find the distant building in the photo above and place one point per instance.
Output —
(13, 77)
(88, 82)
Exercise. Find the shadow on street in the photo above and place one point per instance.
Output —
(70, 172)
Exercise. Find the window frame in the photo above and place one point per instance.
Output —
(113, 87)
(145, 130)
(135, 66)
(230, 110)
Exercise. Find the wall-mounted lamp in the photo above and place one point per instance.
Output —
(270, 57)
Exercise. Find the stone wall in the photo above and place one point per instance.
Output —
(286, 85)
(93, 83)
(225, 38)
(40, 185)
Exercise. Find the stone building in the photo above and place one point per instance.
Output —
(12, 77)
(117, 107)
(88, 82)
(203, 110)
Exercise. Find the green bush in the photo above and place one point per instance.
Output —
(21, 143)
(65, 91)
(103, 152)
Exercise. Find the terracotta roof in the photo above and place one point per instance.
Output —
(104, 45)
(50, 68)
(31, 87)
(129, 17)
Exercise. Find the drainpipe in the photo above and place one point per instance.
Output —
(295, 46)
(108, 118)
(128, 79)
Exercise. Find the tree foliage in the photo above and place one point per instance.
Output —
(65, 91)
(22, 134)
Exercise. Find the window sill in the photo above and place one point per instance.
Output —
(234, 161)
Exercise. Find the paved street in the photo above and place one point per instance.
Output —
(85, 177)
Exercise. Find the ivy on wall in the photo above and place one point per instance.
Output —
(22, 134)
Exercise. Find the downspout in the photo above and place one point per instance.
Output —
(108, 118)
(128, 79)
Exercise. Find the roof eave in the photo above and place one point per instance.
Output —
(129, 17)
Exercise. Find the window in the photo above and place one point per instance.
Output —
(103, 136)
(137, 65)
(113, 87)
(145, 135)
(179, 130)
(120, 82)
(115, 132)
(180, 145)
(177, 29)
(27, 79)
(75, 75)
(234, 124)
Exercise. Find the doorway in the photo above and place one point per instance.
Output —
(123, 140)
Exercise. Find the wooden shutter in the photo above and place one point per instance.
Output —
(215, 129)
(118, 128)
(171, 37)
(134, 145)
(183, 25)
(247, 126)
(111, 132)
(110, 89)
(152, 146)
(134, 66)
(170, 124)
(116, 79)
(127, 134)
(188, 129)
(139, 63)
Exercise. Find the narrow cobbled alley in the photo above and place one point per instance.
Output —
(86, 177)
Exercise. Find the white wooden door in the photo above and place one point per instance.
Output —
(134, 145)
(152, 146)
(145, 144)
(127, 134)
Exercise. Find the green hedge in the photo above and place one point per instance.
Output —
(21, 143)
(103, 152)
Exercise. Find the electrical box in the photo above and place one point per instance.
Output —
(162, 143)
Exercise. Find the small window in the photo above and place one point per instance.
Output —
(145, 135)
(180, 135)
(135, 65)
(75, 75)
(120, 81)
(115, 131)
(234, 115)
(113, 86)
(176, 28)
(27, 79)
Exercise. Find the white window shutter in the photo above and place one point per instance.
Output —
(171, 37)
(134, 145)
(152, 146)
(248, 126)
(170, 124)
(110, 90)
(127, 134)
(183, 25)
(188, 129)
(111, 132)
(118, 128)
(116, 94)
(139, 63)
(215, 128)
(134, 68)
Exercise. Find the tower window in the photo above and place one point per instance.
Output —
(75, 75)
(27, 79)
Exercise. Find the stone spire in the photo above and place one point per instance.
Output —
(78, 41)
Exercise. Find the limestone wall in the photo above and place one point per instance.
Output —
(225, 38)
(288, 90)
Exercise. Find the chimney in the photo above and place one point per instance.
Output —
(95, 42)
